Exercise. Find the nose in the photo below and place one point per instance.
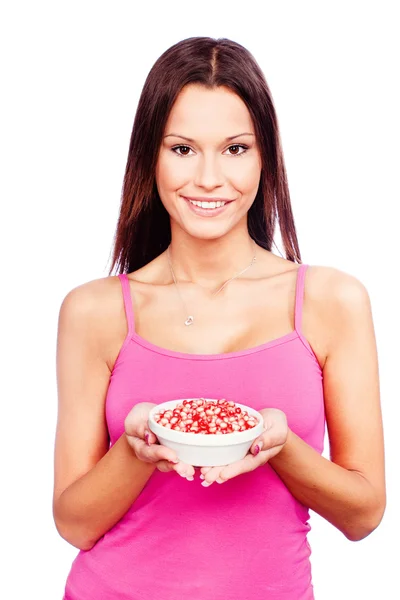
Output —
(208, 173)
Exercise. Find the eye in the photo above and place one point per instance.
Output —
(179, 147)
(186, 149)
(239, 146)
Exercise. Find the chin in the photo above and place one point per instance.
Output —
(208, 231)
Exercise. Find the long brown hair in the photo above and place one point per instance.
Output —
(143, 231)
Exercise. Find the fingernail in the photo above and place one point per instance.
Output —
(175, 462)
(256, 450)
(146, 437)
(202, 476)
(206, 483)
(190, 478)
(219, 480)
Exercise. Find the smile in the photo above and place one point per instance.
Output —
(207, 204)
(207, 209)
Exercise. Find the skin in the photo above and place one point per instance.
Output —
(349, 489)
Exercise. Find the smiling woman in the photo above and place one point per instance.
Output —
(209, 164)
(202, 308)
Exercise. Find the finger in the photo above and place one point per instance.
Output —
(184, 470)
(270, 453)
(270, 438)
(205, 470)
(211, 476)
(246, 465)
(257, 446)
(152, 453)
(150, 437)
(157, 453)
(165, 466)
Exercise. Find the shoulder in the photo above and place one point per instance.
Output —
(101, 299)
(338, 300)
(88, 298)
(336, 288)
(93, 306)
(325, 284)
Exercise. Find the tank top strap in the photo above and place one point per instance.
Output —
(298, 313)
(126, 292)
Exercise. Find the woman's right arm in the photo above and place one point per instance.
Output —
(94, 485)
(93, 504)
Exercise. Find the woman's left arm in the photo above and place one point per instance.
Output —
(348, 490)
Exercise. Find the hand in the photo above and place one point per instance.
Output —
(270, 443)
(145, 444)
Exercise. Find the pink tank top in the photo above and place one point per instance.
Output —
(240, 540)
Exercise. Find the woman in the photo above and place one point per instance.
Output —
(203, 308)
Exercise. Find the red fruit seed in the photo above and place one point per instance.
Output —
(206, 417)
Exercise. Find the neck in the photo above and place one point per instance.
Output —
(210, 263)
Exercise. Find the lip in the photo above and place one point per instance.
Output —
(206, 212)
(207, 199)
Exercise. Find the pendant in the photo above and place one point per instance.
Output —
(189, 320)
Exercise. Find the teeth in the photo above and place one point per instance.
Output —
(207, 204)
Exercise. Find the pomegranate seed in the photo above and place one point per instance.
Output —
(206, 417)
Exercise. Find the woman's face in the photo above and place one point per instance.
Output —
(198, 161)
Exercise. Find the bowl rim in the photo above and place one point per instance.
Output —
(212, 439)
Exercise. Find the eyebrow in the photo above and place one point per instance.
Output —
(231, 137)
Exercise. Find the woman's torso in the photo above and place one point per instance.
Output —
(247, 536)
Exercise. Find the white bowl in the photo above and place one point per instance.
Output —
(206, 450)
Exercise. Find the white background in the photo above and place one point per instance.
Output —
(72, 74)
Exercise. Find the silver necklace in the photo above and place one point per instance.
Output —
(190, 318)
